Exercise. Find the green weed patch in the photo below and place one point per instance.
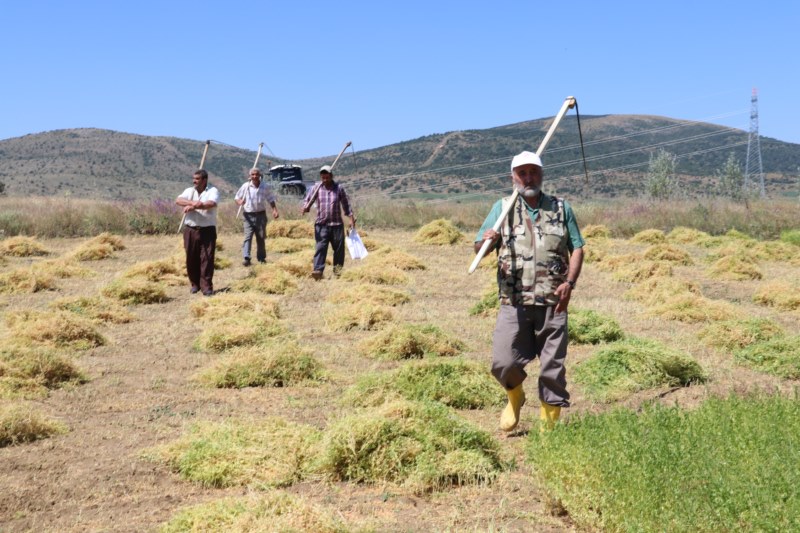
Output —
(590, 327)
(779, 356)
(619, 369)
(792, 236)
(410, 341)
(488, 304)
(725, 466)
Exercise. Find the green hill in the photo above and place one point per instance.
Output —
(113, 165)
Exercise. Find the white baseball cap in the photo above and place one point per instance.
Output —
(525, 158)
(325, 168)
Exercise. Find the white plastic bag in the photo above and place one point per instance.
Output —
(355, 246)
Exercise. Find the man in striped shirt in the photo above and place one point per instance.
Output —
(329, 226)
(254, 196)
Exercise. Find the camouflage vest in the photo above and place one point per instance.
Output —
(533, 258)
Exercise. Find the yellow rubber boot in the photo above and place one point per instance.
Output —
(510, 417)
(549, 415)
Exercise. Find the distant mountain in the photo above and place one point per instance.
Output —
(112, 165)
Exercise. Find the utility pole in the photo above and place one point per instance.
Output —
(754, 146)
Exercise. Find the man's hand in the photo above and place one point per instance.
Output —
(488, 235)
(353, 221)
(564, 292)
(188, 208)
(303, 211)
(275, 212)
(239, 201)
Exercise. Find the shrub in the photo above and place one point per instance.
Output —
(19, 423)
(96, 308)
(370, 294)
(384, 275)
(246, 329)
(714, 468)
(457, 383)
(783, 295)
(292, 229)
(649, 236)
(596, 231)
(54, 328)
(591, 327)
(733, 334)
(669, 253)
(278, 364)
(410, 341)
(439, 232)
(624, 367)
(659, 289)
(235, 304)
(779, 356)
(421, 446)
(693, 308)
(135, 291)
(357, 316)
(734, 268)
(22, 247)
(268, 453)
(268, 279)
(261, 512)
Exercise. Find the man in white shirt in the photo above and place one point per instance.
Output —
(199, 204)
(254, 196)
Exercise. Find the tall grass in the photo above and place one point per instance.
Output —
(729, 465)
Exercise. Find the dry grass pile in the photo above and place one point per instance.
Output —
(20, 423)
(136, 291)
(422, 446)
(234, 304)
(295, 266)
(285, 245)
(625, 367)
(692, 308)
(635, 272)
(61, 269)
(29, 371)
(221, 262)
(684, 235)
(783, 295)
(440, 232)
(594, 252)
(457, 383)
(649, 236)
(590, 327)
(379, 274)
(734, 269)
(370, 294)
(95, 308)
(280, 363)
(371, 244)
(25, 281)
(776, 251)
(166, 270)
(736, 234)
(612, 263)
(488, 304)
(735, 334)
(659, 289)
(101, 247)
(54, 328)
(244, 329)
(267, 279)
(390, 257)
(669, 253)
(358, 316)
(291, 229)
(596, 231)
(735, 249)
(22, 247)
(258, 454)
(268, 512)
(409, 341)
(779, 356)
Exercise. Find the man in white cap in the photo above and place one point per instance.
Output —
(329, 226)
(540, 254)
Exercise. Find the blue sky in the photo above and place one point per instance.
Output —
(305, 77)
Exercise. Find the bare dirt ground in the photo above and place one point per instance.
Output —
(140, 394)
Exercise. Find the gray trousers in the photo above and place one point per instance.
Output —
(524, 332)
(335, 236)
(255, 224)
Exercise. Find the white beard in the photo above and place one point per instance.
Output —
(529, 192)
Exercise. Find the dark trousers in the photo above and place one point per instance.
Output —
(255, 224)
(328, 234)
(200, 244)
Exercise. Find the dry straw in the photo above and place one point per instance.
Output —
(611, 263)
(370, 294)
(735, 334)
(292, 229)
(167, 270)
(378, 274)
(649, 236)
(783, 295)
(262, 512)
(388, 257)
(684, 235)
(245, 329)
(285, 245)
(235, 304)
(734, 269)
(669, 253)
(61, 268)
(268, 279)
(439, 232)
(253, 453)
(54, 328)
(95, 308)
(596, 231)
(20, 423)
(22, 247)
(295, 266)
(98, 248)
(135, 291)
(281, 363)
(359, 316)
(29, 371)
(635, 272)
(25, 281)
(692, 308)
(409, 341)
(659, 289)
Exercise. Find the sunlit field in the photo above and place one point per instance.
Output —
(365, 403)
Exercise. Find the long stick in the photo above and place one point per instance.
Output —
(346, 146)
(202, 162)
(569, 103)
(255, 165)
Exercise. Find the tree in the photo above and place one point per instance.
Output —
(661, 179)
(730, 180)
